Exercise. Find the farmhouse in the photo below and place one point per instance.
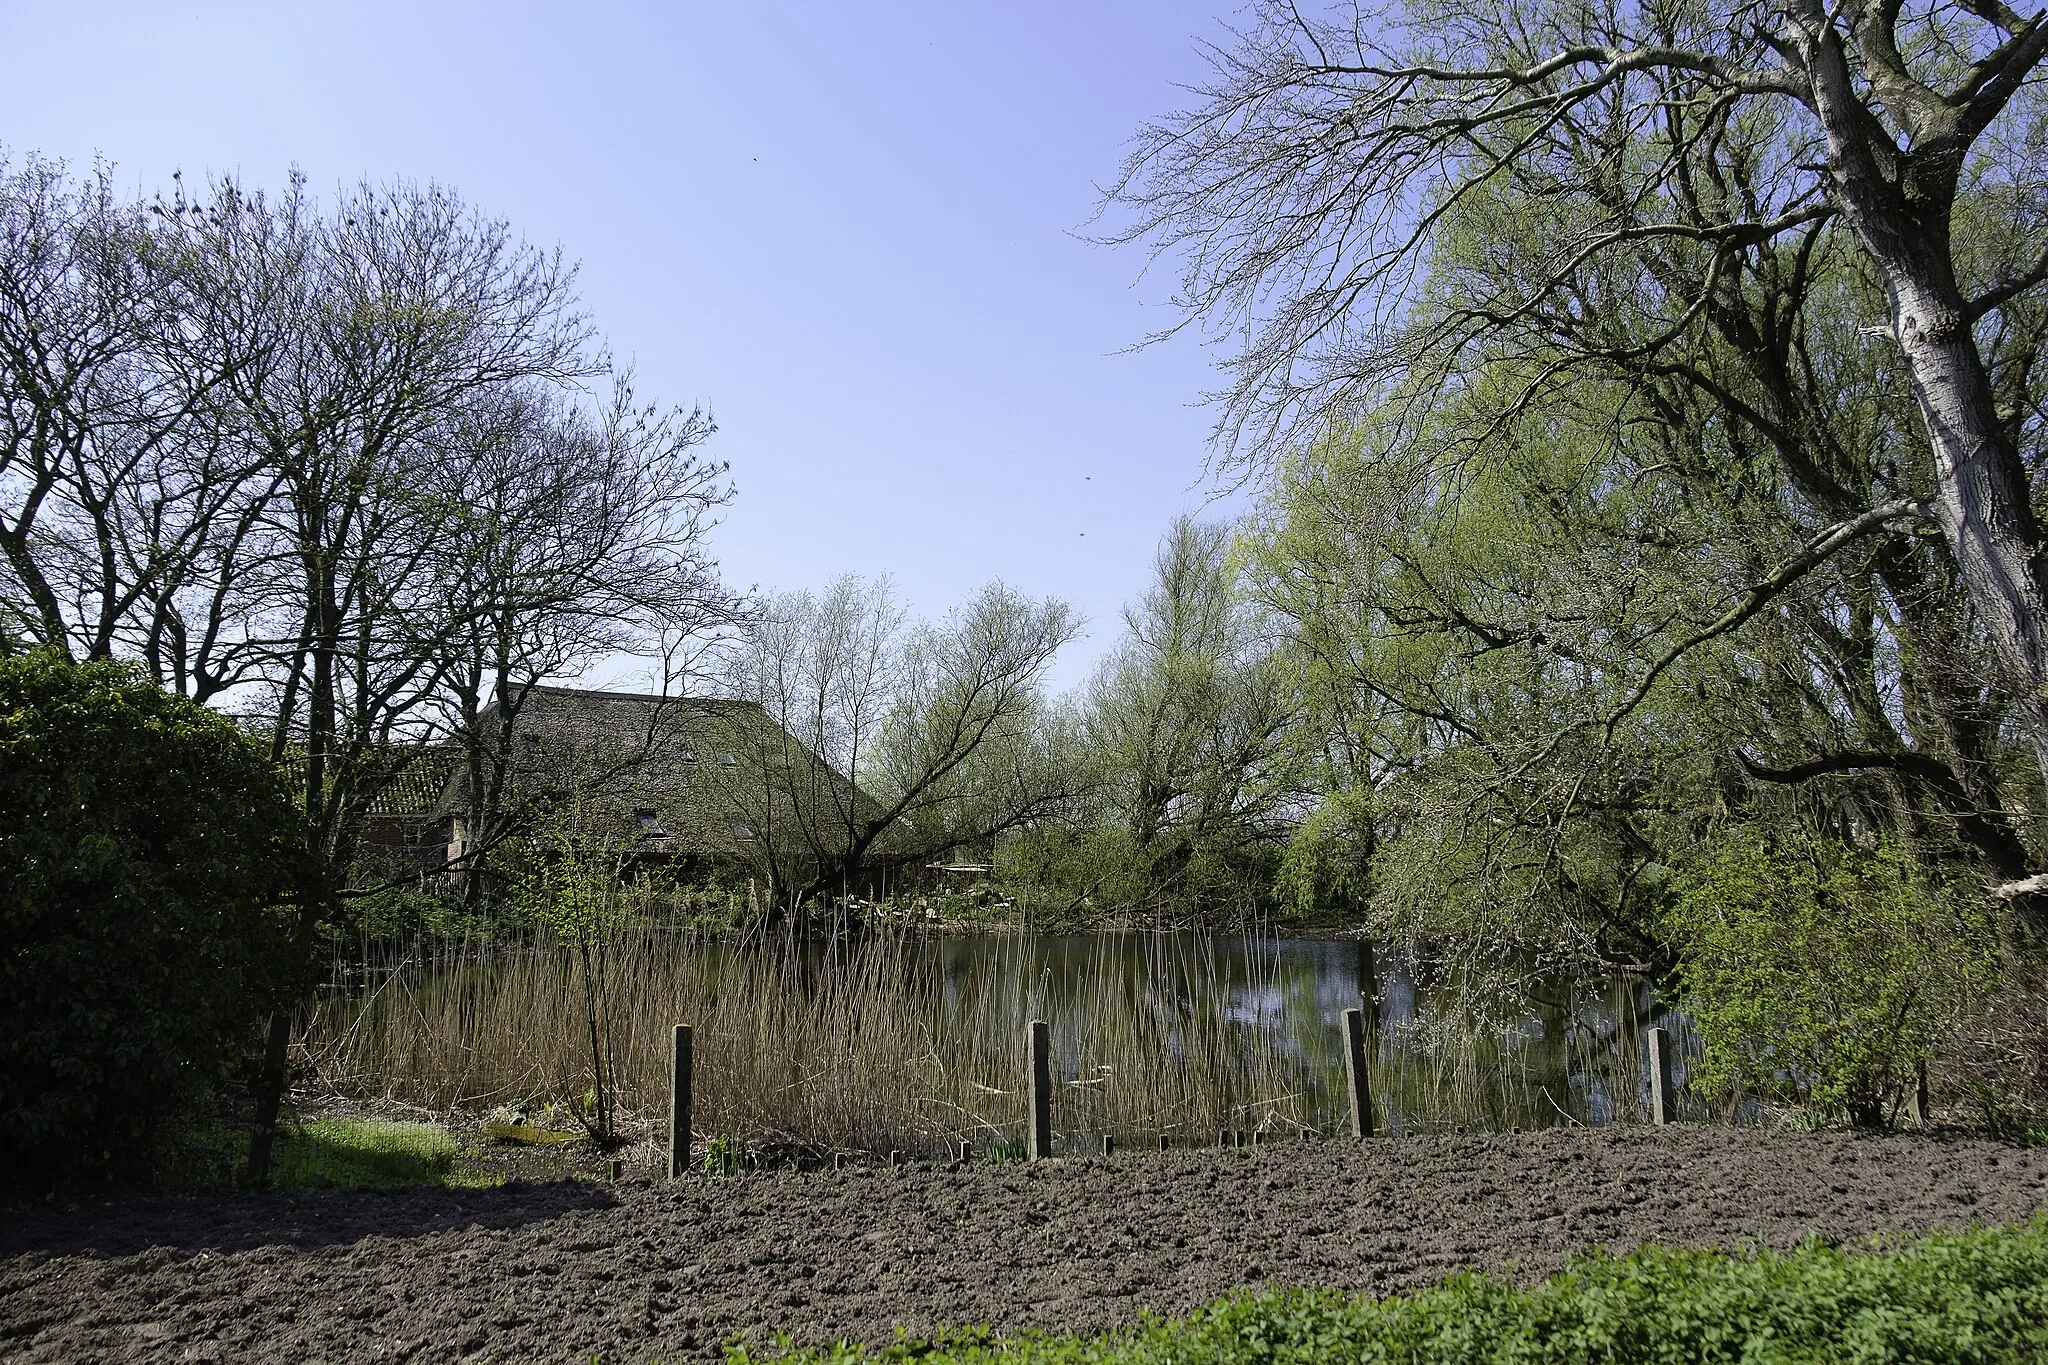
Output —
(695, 781)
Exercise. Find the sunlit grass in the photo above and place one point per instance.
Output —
(353, 1153)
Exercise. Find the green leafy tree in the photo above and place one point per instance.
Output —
(1823, 975)
(1670, 175)
(148, 857)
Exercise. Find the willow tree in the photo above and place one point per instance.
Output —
(1187, 717)
(1682, 166)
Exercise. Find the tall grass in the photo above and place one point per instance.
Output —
(896, 1042)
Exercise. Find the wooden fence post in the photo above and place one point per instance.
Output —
(1357, 1082)
(1038, 1044)
(1660, 1076)
(679, 1065)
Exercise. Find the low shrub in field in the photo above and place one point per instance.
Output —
(1976, 1298)
(144, 846)
(1821, 975)
(1995, 1065)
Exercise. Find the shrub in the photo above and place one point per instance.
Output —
(1996, 1063)
(1824, 976)
(144, 843)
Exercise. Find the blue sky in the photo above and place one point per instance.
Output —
(849, 229)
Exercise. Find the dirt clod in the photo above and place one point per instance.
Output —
(638, 1271)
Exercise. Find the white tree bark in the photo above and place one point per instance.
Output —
(1897, 198)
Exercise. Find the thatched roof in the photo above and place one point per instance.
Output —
(672, 776)
(415, 778)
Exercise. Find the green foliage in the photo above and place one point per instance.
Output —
(406, 913)
(1003, 1149)
(1459, 631)
(1328, 862)
(572, 886)
(725, 1156)
(1975, 1298)
(145, 847)
(1822, 975)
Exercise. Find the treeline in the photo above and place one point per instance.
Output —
(1650, 425)
(348, 470)
(1646, 566)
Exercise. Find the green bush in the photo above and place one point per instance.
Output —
(144, 844)
(1823, 976)
(1976, 1298)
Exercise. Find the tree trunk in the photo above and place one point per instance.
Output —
(272, 1079)
(269, 1097)
(1898, 201)
(1980, 499)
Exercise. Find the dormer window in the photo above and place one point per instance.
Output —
(650, 824)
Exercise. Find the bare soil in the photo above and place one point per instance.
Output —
(638, 1270)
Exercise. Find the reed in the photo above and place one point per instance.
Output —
(910, 1043)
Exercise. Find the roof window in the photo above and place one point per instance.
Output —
(742, 833)
(650, 824)
(726, 760)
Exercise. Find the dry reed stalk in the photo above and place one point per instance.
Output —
(882, 1045)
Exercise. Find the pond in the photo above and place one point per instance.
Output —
(910, 1042)
(1565, 1051)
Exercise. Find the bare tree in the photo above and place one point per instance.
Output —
(826, 670)
(110, 495)
(364, 327)
(929, 723)
(1666, 151)
(574, 535)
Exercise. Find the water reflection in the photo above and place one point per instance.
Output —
(1568, 1051)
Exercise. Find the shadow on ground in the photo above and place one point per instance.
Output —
(304, 1220)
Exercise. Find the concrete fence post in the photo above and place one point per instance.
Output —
(1038, 1047)
(679, 1066)
(1660, 1076)
(1357, 1083)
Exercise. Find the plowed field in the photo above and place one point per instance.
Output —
(637, 1271)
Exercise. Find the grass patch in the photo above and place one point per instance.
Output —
(359, 1152)
(1975, 1298)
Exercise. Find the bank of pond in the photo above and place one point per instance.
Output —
(915, 1043)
